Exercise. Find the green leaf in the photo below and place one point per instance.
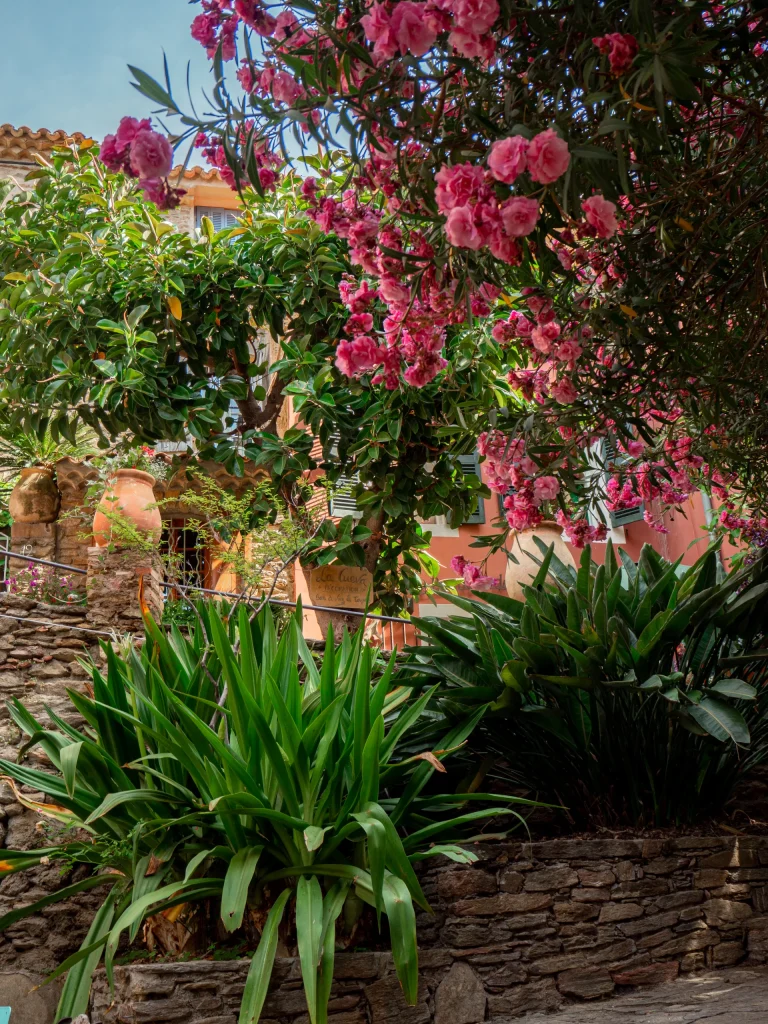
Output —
(314, 837)
(237, 880)
(402, 929)
(262, 962)
(720, 720)
(735, 688)
(76, 992)
(309, 932)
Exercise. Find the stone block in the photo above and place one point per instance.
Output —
(511, 880)
(387, 1004)
(726, 954)
(692, 962)
(590, 895)
(550, 879)
(725, 913)
(535, 995)
(579, 849)
(459, 883)
(504, 903)
(615, 912)
(666, 865)
(679, 899)
(596, 878)
(709, 878)
(649, 924)
(655, 939)
(650, 974)
(687, 943)
(460, 997)
(573, 912)
(640, 888)
(589, 983)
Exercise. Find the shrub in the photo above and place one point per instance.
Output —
(612, 689)
(229, 767)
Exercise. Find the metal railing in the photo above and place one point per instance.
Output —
(391, 620)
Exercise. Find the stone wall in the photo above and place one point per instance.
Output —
(37, 664)
(530, 927)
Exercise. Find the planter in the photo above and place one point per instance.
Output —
(130, 493)
(521, 573)
(35, 498)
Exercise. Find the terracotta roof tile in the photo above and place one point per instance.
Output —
(21, 144)
(196, 172)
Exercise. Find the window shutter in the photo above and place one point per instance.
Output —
(623, 516)
(219, 217)
(343, 502)
(470, 466)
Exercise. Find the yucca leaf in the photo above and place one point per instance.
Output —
(376, 836)
(262, 962)
(332, 907)
(109, 803)
(54, 897)
(402, 930)
(81, 965)
(234, 893)
(309, 933)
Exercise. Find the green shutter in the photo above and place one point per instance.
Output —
(470, 466)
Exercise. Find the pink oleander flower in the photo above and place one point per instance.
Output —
(412, 28)
(470, 44)
(655, 524)
(286, 24)
(475, 16)
(457, 185)
(359, 323)
(205, 30)
(115, 150)
(285, 88)
(621, 50)
(377, 26)
(568, 351)
(256, 17)
(548, 157)
(519, 215)
(505, 248)
(635, 448)
(151, 154)
(564, 391)
(543, 335)
(460, 228)
(601, 215)
(357, 356)
(508, 158)
(545, 488)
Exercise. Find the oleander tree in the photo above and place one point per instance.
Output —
(584, 182)
(111, 318)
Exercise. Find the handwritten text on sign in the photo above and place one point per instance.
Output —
(340, 586)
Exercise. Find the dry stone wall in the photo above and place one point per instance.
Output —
(532, 926)
(37, 664)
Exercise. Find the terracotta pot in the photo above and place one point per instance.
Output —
(130, 493)
(523, 571)
(35, 498)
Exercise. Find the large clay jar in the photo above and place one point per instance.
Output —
(130, 493)
(35, 498)
(522, 573)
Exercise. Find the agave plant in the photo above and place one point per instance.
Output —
(229, 767)
(626, 692)
(20, 449)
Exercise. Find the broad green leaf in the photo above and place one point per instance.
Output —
(234, 894)
(735, 688)
(720, 720)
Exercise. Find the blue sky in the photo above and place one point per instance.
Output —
(64, 61)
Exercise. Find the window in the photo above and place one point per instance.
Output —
(623, 516)
(219, 217)
(181, 544)
(342, 501)
(470, 466)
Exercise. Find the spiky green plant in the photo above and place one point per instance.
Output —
(629, 693)
(230, 767)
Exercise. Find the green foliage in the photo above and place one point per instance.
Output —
(627, 693)
(230, 767)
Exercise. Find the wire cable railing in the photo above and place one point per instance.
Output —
(356, 613)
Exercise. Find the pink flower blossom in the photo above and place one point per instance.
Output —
(601, 215)
(508, 158)
(564, 391)
(519, 215)
(359, 323)
(621, 50)
(285, 88)
(151, 154)
(286, 24)
(357, 356)
(545, 488)
(475, 16)
(377, 25)
(505, 248)
(470, 44)
(205, 29)
(568, 351)
(412, 28)
(548, 157)
(457, 185)
(255, 16)
(458, 562)
(460, 228)
(543, 335)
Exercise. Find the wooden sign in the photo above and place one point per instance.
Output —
(340, 586)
